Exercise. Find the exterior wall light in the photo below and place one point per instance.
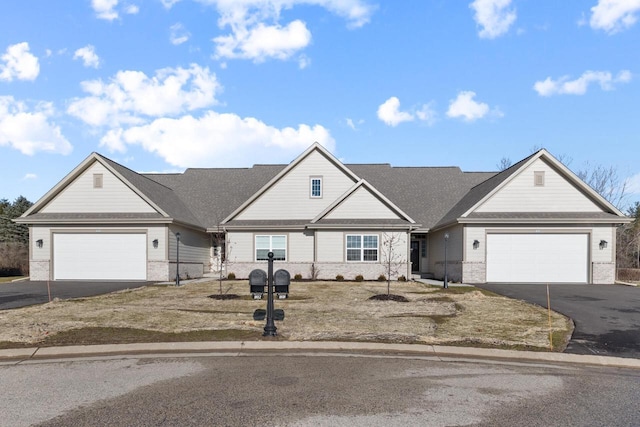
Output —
(39, 243)
(155, 243)
(603, 244)
(476, 244)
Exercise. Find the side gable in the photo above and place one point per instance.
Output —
(287, 196)
(80, 196)
(553, 192)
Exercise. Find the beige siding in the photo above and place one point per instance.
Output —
(80, 196)
(300, 247)
(556, 195)
(159, 253)
(43, 253)
(361, 205)
(471, 234)
(606, 233)
(240, 247)
(330, 246)
(399, 248)
(290, 197)
(454, 251)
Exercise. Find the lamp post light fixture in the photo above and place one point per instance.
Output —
(446, 239)
(270, 328)
(178, 259)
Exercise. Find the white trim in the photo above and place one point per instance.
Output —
(362, 248)
(311, 180)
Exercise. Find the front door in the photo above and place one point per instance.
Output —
(415, 255)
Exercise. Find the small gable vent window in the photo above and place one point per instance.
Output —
(97, 180)
(538, 178)
(316, 187)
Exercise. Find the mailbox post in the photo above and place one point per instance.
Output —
(270, 328)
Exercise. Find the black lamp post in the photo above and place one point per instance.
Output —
(177, 259)
(446, 239)
(270, 327)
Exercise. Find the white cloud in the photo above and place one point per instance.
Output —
(264, 41)
(389, 112)
(168, 4)
(353, 124)
(614, 15)
(131, 9)
(88, 56)
(466, 108)
(132, 97)
(18, 63)
(493, 16)
(427, 114)
(30, 131)
(105, 9)
(178, 34)
(579, 86)
(217, 140)
(30, 176)
(257, 34)
(303, 61)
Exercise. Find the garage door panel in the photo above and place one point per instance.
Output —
(537, 258)
(99, 256)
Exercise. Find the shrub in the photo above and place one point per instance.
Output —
(231, 276)
(359, 278)
(402, 279)
(382, 278)
(339, 277)
(298, 276)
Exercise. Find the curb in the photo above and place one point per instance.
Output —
(39, 353)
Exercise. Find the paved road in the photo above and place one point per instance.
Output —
(308, 390)
(22, 294)
(607, 317)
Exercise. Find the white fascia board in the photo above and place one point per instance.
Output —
(316, 226)
(544, 220)
(314, 147)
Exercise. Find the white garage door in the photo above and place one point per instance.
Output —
(99, 256)
(538, 258)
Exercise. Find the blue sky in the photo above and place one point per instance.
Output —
(162, 85)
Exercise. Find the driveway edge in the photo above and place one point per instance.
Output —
(239, 347)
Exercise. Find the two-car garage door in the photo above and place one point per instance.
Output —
(99, 256)
(538, 258)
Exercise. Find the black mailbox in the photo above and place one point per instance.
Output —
(281, 279)
(257, 282)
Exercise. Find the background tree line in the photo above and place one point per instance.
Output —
(14, 238)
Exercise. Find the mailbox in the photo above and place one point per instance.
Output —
(257, 282)
(281, 279)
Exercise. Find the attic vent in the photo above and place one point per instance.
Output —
(538, 178)
(97, 180)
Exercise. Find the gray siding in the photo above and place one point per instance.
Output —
(80, 196)
(290, 197)
(361, 205)
(521, 195)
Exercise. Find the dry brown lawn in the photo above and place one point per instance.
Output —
(314, 311)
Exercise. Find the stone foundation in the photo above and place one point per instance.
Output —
(454, 271)
(188, 270)
(474, 272)
(39, 270)
(603, 273)
(324, 271)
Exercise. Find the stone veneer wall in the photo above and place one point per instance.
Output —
(454, 271)
(188, 270)
(474, 272)
(325, 271)
(604, 273)
(39, 270)
(158, 271)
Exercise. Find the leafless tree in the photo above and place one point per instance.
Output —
(504, 163)
(391, 257)
(606, 181)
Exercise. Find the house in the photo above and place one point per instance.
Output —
(533, 222)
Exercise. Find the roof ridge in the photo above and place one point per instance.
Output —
(113, 162)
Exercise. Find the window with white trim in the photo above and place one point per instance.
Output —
(271, 243)
(362, 247)
(315, 187)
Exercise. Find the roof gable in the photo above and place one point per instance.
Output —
(287, 195)
(362, 201)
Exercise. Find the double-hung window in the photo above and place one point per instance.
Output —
(362, 247)
(271, 243)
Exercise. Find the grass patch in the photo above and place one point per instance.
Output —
(89, 336)
(460, 290)
(10, 278)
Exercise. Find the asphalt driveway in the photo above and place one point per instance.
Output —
(22, 294)
(607, 317)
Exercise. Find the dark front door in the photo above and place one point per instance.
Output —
(415, 255)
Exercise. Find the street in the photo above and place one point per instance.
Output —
(293, 389)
